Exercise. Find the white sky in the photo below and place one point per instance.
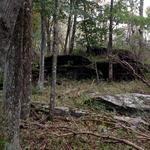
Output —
(146, 4)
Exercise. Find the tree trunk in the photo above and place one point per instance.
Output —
(85, 30)
(54, 65)
(141, 30)
(49, 32)
(27, 48)
(8, 15)
(109, 48)
(68, 28)
(73, 34)
(43, 47)
(9, 129)
(13, 87)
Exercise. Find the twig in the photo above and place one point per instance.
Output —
(129, 67)
(124, 141)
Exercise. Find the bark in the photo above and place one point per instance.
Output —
(54, 65)
(49, 33)
(110, 41)
(8, 15)
(43, 47)
(141, 30)
(27, 48)
(73, 34)
(13, 88)
(85, 29)
(9, 10)
(68, 28)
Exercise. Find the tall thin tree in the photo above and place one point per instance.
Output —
(141, 7)
(68, 27)
(26, 57)
(43, 45)
(54, 63)
(71, 46)
(110, 42)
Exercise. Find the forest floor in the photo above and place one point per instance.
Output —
(100, 130)
(72, 93)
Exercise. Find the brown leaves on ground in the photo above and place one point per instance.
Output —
(93, 132)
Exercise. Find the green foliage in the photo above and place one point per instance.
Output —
(94, 104)
(4, 144)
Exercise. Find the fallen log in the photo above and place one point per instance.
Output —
(59, 111)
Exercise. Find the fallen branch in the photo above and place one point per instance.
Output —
(59, 111)
(124, 141)
(130, 68)
(134, 72)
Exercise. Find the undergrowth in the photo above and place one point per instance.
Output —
(74, 93)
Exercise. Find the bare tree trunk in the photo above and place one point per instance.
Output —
(109, 48)
(73, 34)
(27, 48)
(49, 32)
(68, 28)
(43, 47)
(8, 19)
(85, 30)
(54, 65)
(141, 7)
(13, 87)
(9, 129)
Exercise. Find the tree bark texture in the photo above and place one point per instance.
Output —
(8, 14)
(43, 47)
(13, 87)
(73, 34)
(54, 65)
(49, 33)
(110, 41)
(26, 57)
(141, 7)
(68, 28)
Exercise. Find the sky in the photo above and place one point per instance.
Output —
(146, 4)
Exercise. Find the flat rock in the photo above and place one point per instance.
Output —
(134, 101)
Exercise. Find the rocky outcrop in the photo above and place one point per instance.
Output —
(79, 67)
(127, 103)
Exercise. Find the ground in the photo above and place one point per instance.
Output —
(98, 131)
(73, 93)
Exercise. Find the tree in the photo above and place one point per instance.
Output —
(26, 58)
(49, 25)
(54, 60)
(71, 46)
(73, 34)
(16, 26)
(43, 45)
(13, 78)
(141, 7)
(68, 27)
(110, 41)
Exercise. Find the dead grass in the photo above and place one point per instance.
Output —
(74, 93)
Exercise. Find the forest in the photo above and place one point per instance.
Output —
(74, 75)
